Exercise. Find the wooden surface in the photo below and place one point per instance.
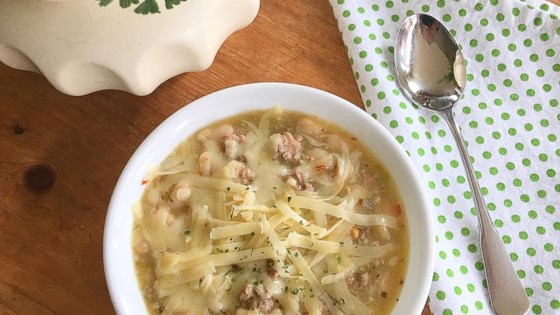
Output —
(60, 156)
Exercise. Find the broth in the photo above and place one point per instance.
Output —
(270, 212)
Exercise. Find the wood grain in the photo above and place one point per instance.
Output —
(60, 156)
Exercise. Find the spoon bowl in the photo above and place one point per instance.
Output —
(430, 66)
(431, 72)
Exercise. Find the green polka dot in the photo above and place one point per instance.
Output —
(534, 57)
(513, 257)
(478, 305)
(532, 214)
(537, 21)
(457, 291)
(479, 266)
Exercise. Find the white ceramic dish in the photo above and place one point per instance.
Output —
(119, 269)
(82, 48)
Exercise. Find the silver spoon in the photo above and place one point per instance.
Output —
(431, 73)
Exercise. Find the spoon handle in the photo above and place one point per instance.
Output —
(507, 295)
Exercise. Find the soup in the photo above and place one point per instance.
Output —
(270, 212)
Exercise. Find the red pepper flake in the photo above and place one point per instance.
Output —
(320, 168)
(145, 181)
(398, 209)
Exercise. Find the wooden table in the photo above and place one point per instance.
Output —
(60, 156)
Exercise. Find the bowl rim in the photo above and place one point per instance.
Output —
(242, 98)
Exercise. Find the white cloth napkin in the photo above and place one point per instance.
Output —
(510, 119)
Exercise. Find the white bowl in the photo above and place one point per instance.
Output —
(118, 260)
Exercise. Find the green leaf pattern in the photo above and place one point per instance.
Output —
(145, 7)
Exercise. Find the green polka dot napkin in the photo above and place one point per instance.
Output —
(510, 119)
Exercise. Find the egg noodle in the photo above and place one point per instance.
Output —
(270, 213)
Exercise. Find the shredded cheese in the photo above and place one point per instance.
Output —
(204, 245)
